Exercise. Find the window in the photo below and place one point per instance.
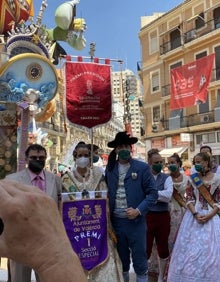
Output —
(156, 114)
(200, 21)
(201, 55)
(217, 62)
(206, 138)
(153, 43)
(175, 39)
(218, 99)
(204, 107)
(176, 113)
(217, 17)
(177, 64)
(155, 85)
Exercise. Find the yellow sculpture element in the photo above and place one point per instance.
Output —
(35, 39)
(46, 112)
(79, 24)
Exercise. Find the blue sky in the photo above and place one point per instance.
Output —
(113, 25)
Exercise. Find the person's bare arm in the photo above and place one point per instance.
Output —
(34, 235)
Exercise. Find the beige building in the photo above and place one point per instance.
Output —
(182, 35)
(127, 91)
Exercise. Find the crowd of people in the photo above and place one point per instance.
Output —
(163, 219)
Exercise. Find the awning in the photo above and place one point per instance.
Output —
(165, 153)
(170, 30)
(195, 17)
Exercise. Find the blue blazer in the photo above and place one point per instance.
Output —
(139, 184)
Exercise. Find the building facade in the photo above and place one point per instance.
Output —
(184, 34)
(127, 91)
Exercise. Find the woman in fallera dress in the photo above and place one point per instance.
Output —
(177, 204)
(196, 253)
(85, 179)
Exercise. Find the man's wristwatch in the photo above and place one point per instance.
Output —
(195, 214)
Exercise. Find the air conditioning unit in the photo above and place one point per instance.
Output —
(205, 119)
(191, 35)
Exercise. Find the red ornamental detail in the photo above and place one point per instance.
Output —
(13, 12)
(88, 93)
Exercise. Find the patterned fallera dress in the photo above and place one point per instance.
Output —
(196, 253)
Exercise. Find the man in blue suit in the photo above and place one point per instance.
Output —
(131, 192)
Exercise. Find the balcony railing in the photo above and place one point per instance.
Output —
(189, 36)
(209, 26)
(165, 90)
(190, 120)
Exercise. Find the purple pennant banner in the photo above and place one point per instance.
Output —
(86, 226)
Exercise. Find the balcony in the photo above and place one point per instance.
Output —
(189, 36)
(170, 45)
(190, 120)
(165, 90)
(193, 34)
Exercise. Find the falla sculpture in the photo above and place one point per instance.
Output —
(27, 73)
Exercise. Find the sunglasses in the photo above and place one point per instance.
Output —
(35, 158)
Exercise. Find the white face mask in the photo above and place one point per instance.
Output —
(82, 162)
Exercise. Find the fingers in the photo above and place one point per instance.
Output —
(11, 194)
(3, 185)
(13, 187)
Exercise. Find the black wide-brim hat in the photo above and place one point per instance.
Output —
(122, 138)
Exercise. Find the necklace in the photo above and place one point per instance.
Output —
(80, 176)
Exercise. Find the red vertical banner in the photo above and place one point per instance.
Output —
(88, 93)
(189, 83)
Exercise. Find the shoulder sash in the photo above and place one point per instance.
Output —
(202, 189)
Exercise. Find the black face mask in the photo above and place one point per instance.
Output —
(36, 166)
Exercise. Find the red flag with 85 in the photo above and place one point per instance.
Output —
(189, 83)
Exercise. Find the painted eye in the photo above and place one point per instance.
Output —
(34, 71)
